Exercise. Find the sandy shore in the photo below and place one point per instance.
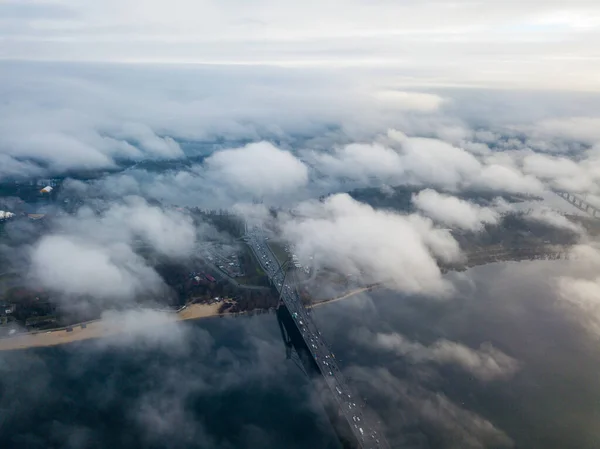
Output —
(96, 329)
(107, 327)
(196, 311)
(345, 296)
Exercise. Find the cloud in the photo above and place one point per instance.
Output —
(360, 162)
(352, 237)
(562, 173)
(452, 211)
(67, 123)
(241, 174)
(554, 218)
(201, 369)
(61, 117)
(169, 232)
(154, 376)
(146, 328)
(582, 296)
(579, 288)
(64, 117)
(396, 158)
(410, 101)
(91, 254)
(486, 363)
(258, 169)
(148, 141)
(434, 162)
(507, 179)
(436, 414)
(583, 129)
(75, 267)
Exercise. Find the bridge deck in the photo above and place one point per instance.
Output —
(580, 204)
(350, 406)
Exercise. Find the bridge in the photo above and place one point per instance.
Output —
(580, 204)
(363, 427)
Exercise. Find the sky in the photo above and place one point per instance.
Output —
(526, 44)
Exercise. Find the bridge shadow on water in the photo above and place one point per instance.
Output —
(297, 350)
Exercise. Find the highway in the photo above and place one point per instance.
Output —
(350, 406)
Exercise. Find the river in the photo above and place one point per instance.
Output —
(226, 383)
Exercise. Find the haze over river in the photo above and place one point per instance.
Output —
(500, 364)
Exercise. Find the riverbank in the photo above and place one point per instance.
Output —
(346, 295)
(97, 329)
(103, 328)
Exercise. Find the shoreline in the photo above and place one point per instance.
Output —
(103, 328)
(97, 329)
(106, 327)
(346, 295)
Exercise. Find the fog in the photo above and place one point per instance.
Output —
(142, 110)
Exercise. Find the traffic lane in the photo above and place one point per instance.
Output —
(321, 351)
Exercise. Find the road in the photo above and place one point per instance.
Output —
(350, 406)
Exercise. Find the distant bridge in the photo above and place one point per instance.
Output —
(580, 204)
(363, 428)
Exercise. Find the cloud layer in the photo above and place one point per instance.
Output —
(258, 169)
(486, 363)
(454, 212)
(92, 254)
(378, 246)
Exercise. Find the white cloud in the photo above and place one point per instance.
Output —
(169, 232)
(434, 162)
(91, 254)
(64, 125)
(454, 212)
(61, 117)
(144, 327)
(450, 421)
(579, 289)
(360, 162)
(583, 295)
(153, 145)
(380, 246)
(74, 267)
(486, 363)
(562, 173)
(440, 242)
(507, 179)
(554, 218)
(258, 169)
(583, 129)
